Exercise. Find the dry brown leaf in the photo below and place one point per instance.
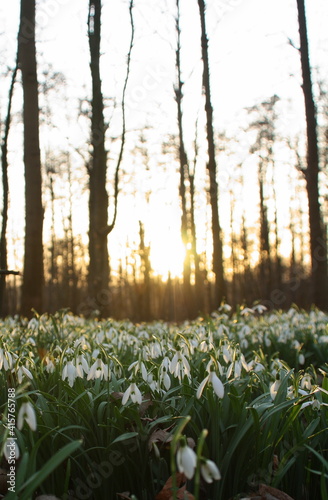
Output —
(125, 495)
(146, 403)
(166, 492)
(269, 493)
(116, 395)
(182, 494)
(159, 436)
(42, 352)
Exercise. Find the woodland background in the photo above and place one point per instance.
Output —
(135, 200)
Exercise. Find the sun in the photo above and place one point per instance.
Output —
(167, 256)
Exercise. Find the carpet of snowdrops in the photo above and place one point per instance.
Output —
(229, 406)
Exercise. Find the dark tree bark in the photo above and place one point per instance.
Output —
(183, 170)
(218, 269)
(98, 278)
(99, 229)
(5, 195)
(33, 278)
(265, 250)
(318, 244)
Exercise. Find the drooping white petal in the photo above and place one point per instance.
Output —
(210, 471)
(274, 388)
(201, 387)
(126, 395)
(135, 394)
(10, 448)
(166, 381)
(26, 413)
(186, 461)
(218, 387)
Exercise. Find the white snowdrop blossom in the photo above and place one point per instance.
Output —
(216, 383)
(306, 382)
(6, 360)
(246, 311)
(274, 388)
(132, 392)
(69, 372)
(98, 370)
(227, 354)
(26, 414)
(81, 366)
(139, 365)
(259, 308)
(180, 366)
(22, 372)
(186, 460)
(50, 366)
(11, 448)
(164, 378)
(301, 358)
(210, 471)
(225, 308)
(313, 402)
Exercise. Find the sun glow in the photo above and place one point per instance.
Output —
(167, 257)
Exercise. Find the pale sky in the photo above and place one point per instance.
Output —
(250, 60)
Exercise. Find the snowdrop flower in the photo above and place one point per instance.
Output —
(274, 388)
(216, 383)
(98, 370)
(26, 414)
(306, 382)
(6, 360)
(227, 355)
(50, 367)
(11, 448)
(81, 366)
(186, 459)
(69, 372)
(246, 311)
(180, 366)
(210, 471)
(225, 308)
(139, 365)
(23, 371)
(314, 403)
(133, 393)
(259, 308)
(164, 377)
(301, 359)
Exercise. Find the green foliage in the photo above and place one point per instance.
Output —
(113, 401)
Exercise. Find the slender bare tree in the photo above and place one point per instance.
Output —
(5, 194)
(318, 244)
(99, 229)
(218, 268)
(33, 278)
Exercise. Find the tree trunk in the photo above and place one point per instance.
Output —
(183, 169)
(98, 277)
(33, 278)
(318, 245)
(265, 284)
(218, 270)
(5, 195)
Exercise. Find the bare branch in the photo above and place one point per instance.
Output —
(110, 227)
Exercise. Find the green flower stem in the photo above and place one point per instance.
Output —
(199, 450)
(173, 450)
